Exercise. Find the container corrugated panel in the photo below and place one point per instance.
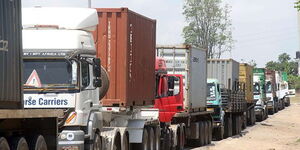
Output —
(246, 77)
(191, 63)
(10, 54)
(225, 70)
(125, 42)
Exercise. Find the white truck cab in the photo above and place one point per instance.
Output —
(61, 71)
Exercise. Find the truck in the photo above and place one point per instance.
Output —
(225, 97)
(282, 89)
(259, 94)
(271, 88)
(21, 129)
(108, 106)
(246, 78)
(181, 96)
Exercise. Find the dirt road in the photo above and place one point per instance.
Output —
(280, 131)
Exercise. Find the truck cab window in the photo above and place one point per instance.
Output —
(85, 75)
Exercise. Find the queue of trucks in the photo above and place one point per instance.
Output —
(95, 79)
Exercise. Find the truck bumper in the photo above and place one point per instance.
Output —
(71, 140)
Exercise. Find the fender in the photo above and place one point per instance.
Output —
(94, 124)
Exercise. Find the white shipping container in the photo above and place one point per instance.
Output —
(191, 63)
(225, 70)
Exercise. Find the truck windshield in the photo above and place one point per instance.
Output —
(211, 91)
(269, 87)
(256, 88)
(49, 73)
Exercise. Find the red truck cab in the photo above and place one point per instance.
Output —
(169, 92)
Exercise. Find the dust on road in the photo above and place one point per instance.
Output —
(280, 131)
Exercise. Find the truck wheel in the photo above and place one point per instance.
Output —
(202, 133)
(19, 143)
(126, 143)
(180, 139)
(151, 139)
(157, 138)
(219, 133)
(206, 129)
(105, 83)
(97, 142)
(236, 124)
(228, 126)
(210, 132)
(144, 145)
(271, 112)
(4, 144)
(37, 143)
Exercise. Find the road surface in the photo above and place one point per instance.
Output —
(280, 131)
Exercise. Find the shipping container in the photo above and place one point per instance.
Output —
(225, 70)
(191, 63)
(246, 77)
(125, 42)
(270, 77)
(10, 54)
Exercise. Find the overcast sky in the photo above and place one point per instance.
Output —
(262, 29)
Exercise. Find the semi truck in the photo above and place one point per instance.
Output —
(246, 78)
(271, 88)
(259, 94)
(21, 129)
(181, 96)
(226, 97)
(281, 89)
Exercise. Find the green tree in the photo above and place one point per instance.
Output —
(297, 5)
(286, 64)
(209, 26)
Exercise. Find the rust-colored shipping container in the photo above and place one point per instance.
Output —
(125, 42)
(246, 77)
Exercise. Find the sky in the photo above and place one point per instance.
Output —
(262, 29)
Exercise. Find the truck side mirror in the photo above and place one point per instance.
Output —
(97, 67)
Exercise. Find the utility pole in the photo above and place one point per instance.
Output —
(298, 60)
(90, 3)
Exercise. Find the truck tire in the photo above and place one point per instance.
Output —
(105, 83)
(219, 133)
(270, 111)
(167, 139)
(19, 143)
(151, 139)
(144, 145)
(37, 143)
(236, 124)
(180, 139)
(210, 132)
(227, 125)
(206, 127)
(157, 137)
(126, 145)
(97, 142)
(4, 144)
(202, 133)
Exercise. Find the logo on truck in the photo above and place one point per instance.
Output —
(65, 100)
